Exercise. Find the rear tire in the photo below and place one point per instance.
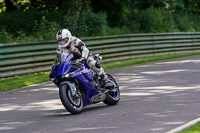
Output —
(112, 98)
(72, 104)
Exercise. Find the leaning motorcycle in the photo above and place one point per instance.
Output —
(79, 86)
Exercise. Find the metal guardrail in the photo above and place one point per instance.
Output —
(31, 57)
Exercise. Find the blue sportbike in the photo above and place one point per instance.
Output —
(80, 86)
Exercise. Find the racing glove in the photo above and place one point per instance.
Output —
(80, 60)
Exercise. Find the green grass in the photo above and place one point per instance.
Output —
(21, 81)
(193, 129)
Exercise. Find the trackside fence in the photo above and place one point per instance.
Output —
(31, 57)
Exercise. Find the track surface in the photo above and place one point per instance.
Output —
(155, 98)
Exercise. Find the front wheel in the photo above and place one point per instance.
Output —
(112, 98)
(74, 104)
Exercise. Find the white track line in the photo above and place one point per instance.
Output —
(178, 129)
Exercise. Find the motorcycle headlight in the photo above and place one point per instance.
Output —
(66, 75)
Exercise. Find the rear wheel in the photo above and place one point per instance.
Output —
(74, 104)
(112, 97)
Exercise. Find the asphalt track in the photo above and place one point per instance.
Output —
(155, 98)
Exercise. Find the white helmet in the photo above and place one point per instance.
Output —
(64, 37)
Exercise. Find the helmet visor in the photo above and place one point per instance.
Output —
(63, 41)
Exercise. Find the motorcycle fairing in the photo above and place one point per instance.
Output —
(82, 74)
(90, 91)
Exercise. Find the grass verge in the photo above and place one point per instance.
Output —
(193, 129)
(26, 80)
(21, 81)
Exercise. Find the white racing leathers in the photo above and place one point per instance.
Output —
(79, 50)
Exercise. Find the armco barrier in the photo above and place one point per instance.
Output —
(31, 57)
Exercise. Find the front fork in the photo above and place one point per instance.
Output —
(72, 87)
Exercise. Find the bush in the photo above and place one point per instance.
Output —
(5, 36)
(26, 21)
(44, 26)
(134, 26)
(91, 24)
(46, 30)
(168, 24)
(71, 23)
(183, 22)
(13, 22)
(156, 20)
(87, 24)
(106, 31)
(194, 20)
(36, 25)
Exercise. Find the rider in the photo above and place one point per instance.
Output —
(71, 44)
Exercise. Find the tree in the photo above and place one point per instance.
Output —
(143, 4)
(192, 5)
(43, 5)
(118, 10)
(113, 8)
(68, 7)
(73, 7)
(10, 5)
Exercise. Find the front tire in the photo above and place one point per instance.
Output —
(112, 98)
(73, 104)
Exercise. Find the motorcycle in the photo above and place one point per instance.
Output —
(79, 86)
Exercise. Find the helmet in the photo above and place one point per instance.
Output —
(64, 37)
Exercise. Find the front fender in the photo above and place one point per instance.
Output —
(71, 85)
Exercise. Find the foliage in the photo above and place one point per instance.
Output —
(74, 7)
(113, 8)
(41, 19)
(44, 26)
(155, 20)
(143, 4)
(106, 30)
(85, 24)
(192, 5)
(66, 6)
(4, 36)
(194, 20)
(46, 30)
(183, 22)
(91, 24)
(24, 21)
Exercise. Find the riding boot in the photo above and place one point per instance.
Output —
(107, 83)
